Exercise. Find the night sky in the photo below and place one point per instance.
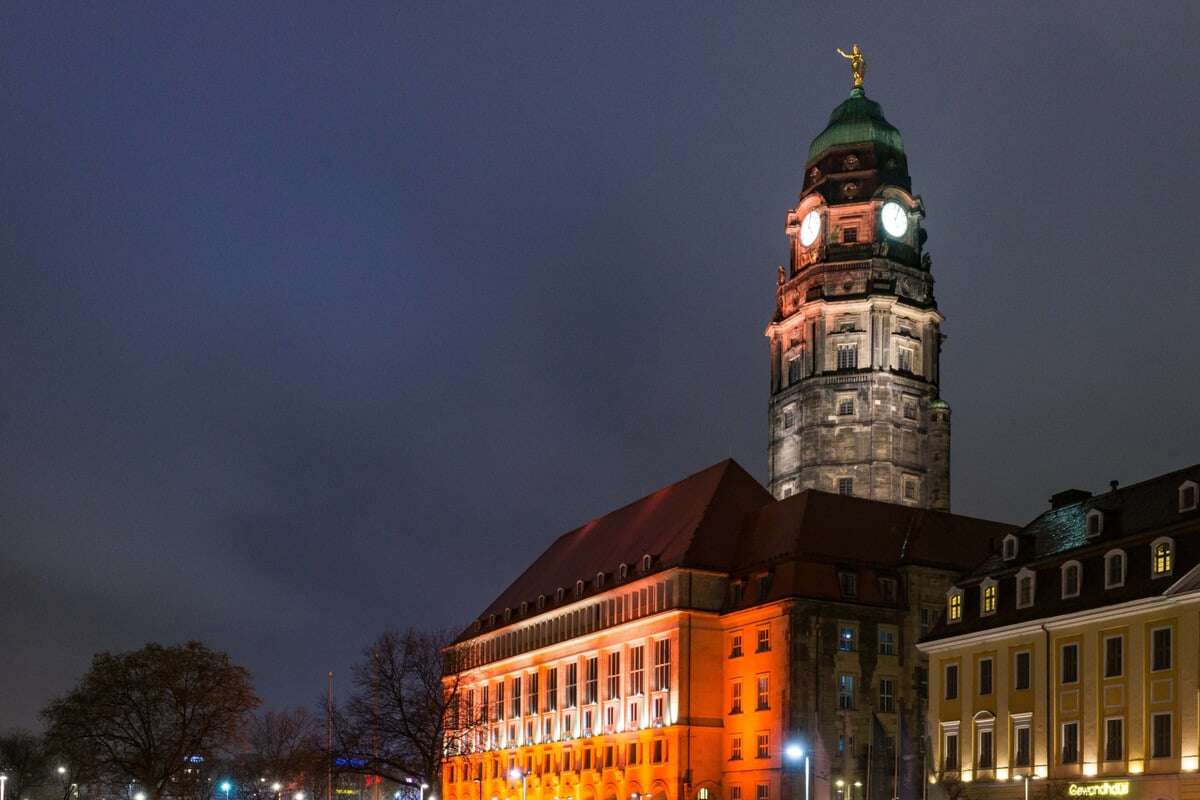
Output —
(321, 318)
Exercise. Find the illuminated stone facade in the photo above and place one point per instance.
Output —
(856, 337)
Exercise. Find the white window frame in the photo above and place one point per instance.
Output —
(985, 722)
(1098, 516)
(1117, 553)
(955, 592)
(1173, 748)
(1010, 547)
(1183, 487)
(1104, 741)
(1078, 580)
(1167, 540)
(951, 729)
(1027, 573)
(983, 587)
(1104, 656)
(1021, 721)
(1062, 742)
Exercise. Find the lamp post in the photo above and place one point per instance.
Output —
(3, 779)
(515, 773)
(226, 787)
(1024, 778)
(424, 786)
(795, 753)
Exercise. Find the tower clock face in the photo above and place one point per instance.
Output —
(810, 226)
(895, 220)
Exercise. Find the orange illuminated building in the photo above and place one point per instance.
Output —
(676, 646)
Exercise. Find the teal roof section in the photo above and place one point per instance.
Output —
(858, 120)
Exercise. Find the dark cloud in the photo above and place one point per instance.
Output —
(316, 320)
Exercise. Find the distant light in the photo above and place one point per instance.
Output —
(839, 783)
(794, 752)
(514, 773)
(424, 785)
(298, 796)
(62, 770)
(276, 786)
(140, 796)
(858, 784)
(226, 786)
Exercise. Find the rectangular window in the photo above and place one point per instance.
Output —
(887, 690)
(1021, 746)
(500, 700)
(735, 793)
(662, 665)
(613, 681)
(735, 702)
(552, 689)
(764, 640)
(1113, 646)
(608, 757)
(1021, 670)
(531, 699)
(887, 642)
(1070, 742)
(905, 359)
(910, 408)
(1160, 649)
(845, 691)
(631, 753)
(637, 675)
(847, 356)
(951, 681)
(763, 746)
(845, 486)
(735, 748)
(984, 758)
(635, 710)
(1114, 739)
(659, 711)
(572, 685)
(910, 488)
(989, 599)
(762, 693)
(762, 791)
(658, 751)
(846, 638)
(1160, 727)
(985, 676)
(735, 645)
(954, 607)
(591, 683)
(1114, 573)
(848, 581)
(950, 752)
(516, 696)
(789, 416)
(1069, 668)
(850, 235)
(1024, 591)
(845, 405)
(887, 590)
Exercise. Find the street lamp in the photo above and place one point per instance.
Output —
(794, 752)
(226, 787)
(3, 778)
(424, 786)
(515, 773)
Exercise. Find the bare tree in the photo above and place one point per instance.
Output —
(23, 758)
(403, 707)
(286, 748)
(144, 713)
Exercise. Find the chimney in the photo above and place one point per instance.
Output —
(1068, 497)
(1112, 485)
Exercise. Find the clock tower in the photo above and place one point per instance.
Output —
(856, 337)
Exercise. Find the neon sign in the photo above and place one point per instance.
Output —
(1099, 789)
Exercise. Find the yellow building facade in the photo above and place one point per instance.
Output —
(1071, 658)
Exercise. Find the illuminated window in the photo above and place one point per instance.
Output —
(1114, 739)
(735, 703)
(845, 691)
(1163, 552)
(572, 683)
(762, 747)
(1070, 579)
(1114, 647)
(1114, 569)
(847, 356)
(591, 683)
(845, 486)
(846, 637)
(735, 644)
(762, 693)
(1070, 742)
(988, 598)
(637, 679)
(954, 606)
(950, 750)
(613, 679)
(662, 665)
(845, 405)
(764, 639)
(735, 748)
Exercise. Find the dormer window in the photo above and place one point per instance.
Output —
(599, 580)
(507, 614)
(541, 602)
(1095, 522)
(524, 608)
(647, 561)
(579, 588)
(1162, 557)
(1189, 496)
(987, 598)
(623, 571)
(1009, 548)
(954, 605)
(491, 620)
(1026, 588)
(1071, 579)
(559, 594)
(1114, 569)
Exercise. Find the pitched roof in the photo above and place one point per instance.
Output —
(689, 523)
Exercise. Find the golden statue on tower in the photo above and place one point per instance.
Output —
(858, 64)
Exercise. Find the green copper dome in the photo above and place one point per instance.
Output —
(856, 121)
